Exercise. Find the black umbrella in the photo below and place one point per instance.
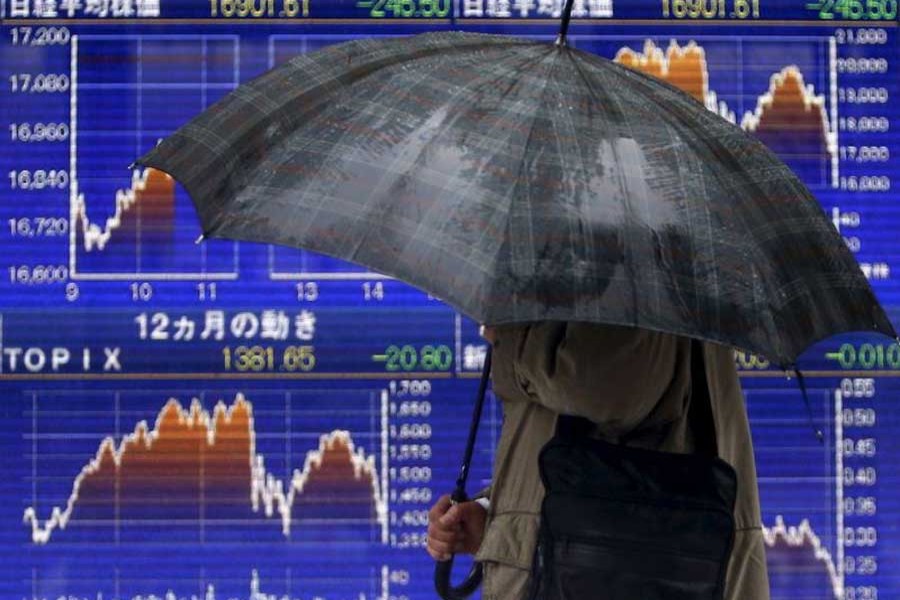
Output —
(524, 181)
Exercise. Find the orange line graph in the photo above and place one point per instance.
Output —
(194, 464)
(146, 208)
(789, 117)
(684, 67)
(790, 109)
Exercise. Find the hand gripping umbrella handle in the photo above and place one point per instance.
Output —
(443, 569)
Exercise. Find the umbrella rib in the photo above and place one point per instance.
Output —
(470, 182)
(553, 55)
(690, 103)
(768, 317)
(628, 264)
(565, 129)
(461, 191)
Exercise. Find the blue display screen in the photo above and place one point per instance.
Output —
(230, 420)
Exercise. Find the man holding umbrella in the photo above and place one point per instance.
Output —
(635, 385)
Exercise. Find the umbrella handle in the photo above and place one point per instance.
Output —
(443, 569)
(442, 573)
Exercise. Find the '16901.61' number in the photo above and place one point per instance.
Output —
(259, 9)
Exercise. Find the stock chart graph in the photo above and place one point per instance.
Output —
(142, 225)
(789, 117)
(228, 420)
(205, 486)
(202, 464)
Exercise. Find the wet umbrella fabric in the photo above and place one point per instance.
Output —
(523, 181)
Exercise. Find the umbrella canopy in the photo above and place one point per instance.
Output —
(523, 181)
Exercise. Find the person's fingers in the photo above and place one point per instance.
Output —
(471, 525)
(461, 514)
(448, 528)
(453, 516)
(440, 507)
(434, 553)
(440, 548)
(441, 551)
(443, 534)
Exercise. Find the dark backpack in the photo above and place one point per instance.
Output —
(622, 523)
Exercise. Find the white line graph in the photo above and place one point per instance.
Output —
(96, 238)
(267, 494)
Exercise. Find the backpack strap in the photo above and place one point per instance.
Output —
(700, 417)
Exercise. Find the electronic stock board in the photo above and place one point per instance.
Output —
(140, 371)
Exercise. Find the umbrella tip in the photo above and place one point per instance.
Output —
(132, 166)
(200, 239)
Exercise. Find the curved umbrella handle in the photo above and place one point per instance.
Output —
(443, 570)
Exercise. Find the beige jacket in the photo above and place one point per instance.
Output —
(629, 382)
